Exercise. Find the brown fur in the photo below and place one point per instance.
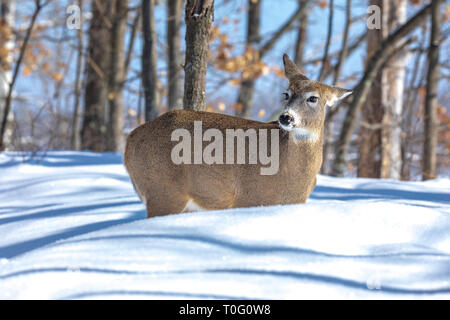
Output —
(166, 188)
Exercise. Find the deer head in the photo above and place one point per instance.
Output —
(305, 103)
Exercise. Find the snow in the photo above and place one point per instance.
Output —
(73, 228)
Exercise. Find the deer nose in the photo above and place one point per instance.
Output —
(286, 119)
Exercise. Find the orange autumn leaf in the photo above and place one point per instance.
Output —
(350, 166)
(441, 111)
(214, 33)
(323, 4)
(132, 112)
(447, 13)
(278, 71)
(45, 67)
(234, 82)
(422, 91)
(237, 106)
(57, 76)
(4, 52)
(27, 70)
(111, 95)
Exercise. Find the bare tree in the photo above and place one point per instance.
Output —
(149, 72)
(328, 128)
(75, 136)
(431, 103)
(245, 95)
(409, 111)
(199, 15)
(370, 133)
(174, 8)
(94, 127)
(385, 50)
(7, 18)
(38, 5)
(116, 76)
(393, 85)
(380, 147)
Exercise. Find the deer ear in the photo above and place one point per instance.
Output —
(290, 68)
(337, 94)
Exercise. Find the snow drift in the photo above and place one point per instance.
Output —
(72, 228)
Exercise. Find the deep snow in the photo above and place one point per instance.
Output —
(72, 227)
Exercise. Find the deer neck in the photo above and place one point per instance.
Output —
(305, 149)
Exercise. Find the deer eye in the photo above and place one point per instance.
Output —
(285, 96)
(312, 99)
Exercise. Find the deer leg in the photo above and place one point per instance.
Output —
(165, 203)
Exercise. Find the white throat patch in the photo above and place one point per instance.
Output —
(301, 134)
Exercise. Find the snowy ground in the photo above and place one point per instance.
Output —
(72, 227)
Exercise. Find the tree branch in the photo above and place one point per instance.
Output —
(271, 42)
(327, 44)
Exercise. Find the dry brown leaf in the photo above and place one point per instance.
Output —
(27, 70)
(221, 106)
(323, 4)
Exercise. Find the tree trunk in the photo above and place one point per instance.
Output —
(199, 16)
(370, 132)
(393, 80)
(380, 147)
(116, 76)
(431, 103)
(75, 136)
(174, 8)
(149, 71)
(8, 99)
(247, 88)
(7, 39)
(94, 129)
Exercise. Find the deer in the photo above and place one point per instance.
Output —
(168, 187)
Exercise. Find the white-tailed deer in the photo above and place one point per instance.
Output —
(169, 178)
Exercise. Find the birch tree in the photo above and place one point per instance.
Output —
(393, 87)
(7, 18)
